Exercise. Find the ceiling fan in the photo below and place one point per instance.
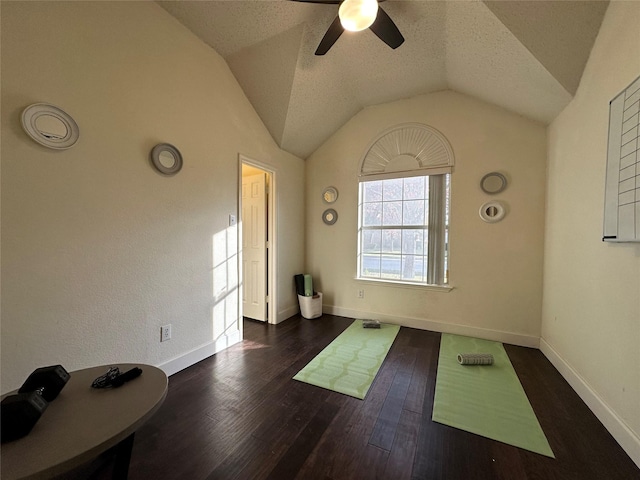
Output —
(357, 15)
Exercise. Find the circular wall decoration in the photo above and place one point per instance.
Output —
(493, 183)
(166, 159)
(492, 212)
(50, 126)
(330, 194)
(330, 216)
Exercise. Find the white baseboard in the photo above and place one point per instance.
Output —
(443, 327)
(200, 353)
(628, 440)
(287, 313)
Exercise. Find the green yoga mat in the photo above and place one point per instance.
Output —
(350, 363)
(487, 400)
(308, 285)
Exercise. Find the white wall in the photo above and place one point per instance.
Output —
(591, 307)
(495, 269)
(98, 249)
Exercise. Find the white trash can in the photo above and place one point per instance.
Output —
(310, 307)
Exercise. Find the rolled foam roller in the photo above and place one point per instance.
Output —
(475, 359)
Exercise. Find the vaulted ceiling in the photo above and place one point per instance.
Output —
(525, 56)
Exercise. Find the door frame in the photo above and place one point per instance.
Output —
(271, 235)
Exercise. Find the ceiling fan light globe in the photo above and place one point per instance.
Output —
(357, 15)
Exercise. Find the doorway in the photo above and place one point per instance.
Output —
(257, 240)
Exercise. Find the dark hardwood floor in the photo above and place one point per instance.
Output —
(239, 415)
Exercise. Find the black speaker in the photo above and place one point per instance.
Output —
(50, 379)
(20, 413)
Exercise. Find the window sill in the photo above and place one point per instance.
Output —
(390, 283)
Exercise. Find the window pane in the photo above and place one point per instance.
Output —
(371, 241)
(413, 241)
(413, 212)
(414, 188)
(372, 191)
(371, 214)
(391, 240)
(390, 267)
(392, 213)
(392, 189)
(413, 268)
(370, 266)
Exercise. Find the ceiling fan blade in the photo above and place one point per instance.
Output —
(333, 33)
(386, 30)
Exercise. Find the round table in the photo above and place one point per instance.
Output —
(83, 422)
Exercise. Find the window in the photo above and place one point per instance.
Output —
(403, 228)
(403, 205)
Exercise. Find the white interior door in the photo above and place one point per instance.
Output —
(254, 246)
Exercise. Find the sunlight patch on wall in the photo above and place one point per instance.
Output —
(225, 310)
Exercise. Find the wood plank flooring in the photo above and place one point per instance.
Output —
(239, 415)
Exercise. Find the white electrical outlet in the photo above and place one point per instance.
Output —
(361, 293)
(165, 333)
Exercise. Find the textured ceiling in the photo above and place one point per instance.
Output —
(525, 56)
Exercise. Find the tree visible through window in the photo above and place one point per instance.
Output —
(403, 229)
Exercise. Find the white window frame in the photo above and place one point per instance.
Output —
(435, 223)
